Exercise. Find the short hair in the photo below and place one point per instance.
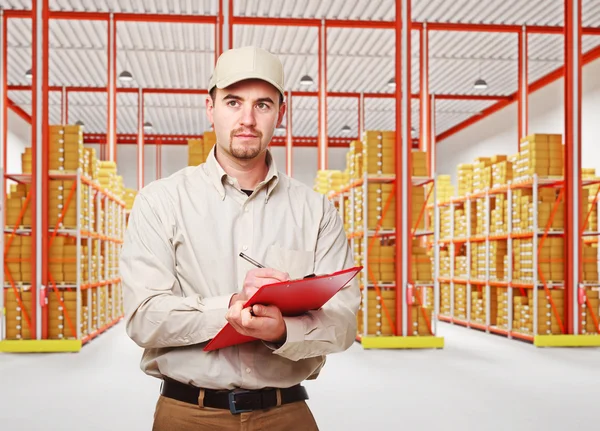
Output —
(213, 93)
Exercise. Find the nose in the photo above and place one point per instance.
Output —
(247, 116)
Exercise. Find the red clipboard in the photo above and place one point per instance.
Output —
(293, 298)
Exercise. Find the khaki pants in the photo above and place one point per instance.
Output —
(173, 415)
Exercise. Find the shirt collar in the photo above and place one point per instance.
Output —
(217, 174)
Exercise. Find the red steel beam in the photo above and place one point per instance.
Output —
(558, 73)
(322, 105)
(523, 94)
(18, 110)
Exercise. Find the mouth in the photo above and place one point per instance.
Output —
(246, 135)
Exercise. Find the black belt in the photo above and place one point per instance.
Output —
(236, 401)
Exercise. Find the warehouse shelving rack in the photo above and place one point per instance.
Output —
(106, 229)
(414, 293)
(537, 282)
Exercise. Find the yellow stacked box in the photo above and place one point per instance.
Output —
(542, 155)
(499, 214)
(420, 320)
(66, 148)
(548, 308)
(551, 260)
(590, 313)
(330, 181)
(445, 222)
(465, 179)
(419, 163)
(56, 262)
(445, 264)
(15, 201)
(546, 206)
(381, 198)
(379, 152)
(358, 210)
(498, 256)
(522, 314)
(590, 263)
(477, 261)
(502, 307)
(520, 209)
(446, 299)
(480, 218)
(196, 152)
(358, 255)
(502, 170)
(460, 301)
(62, 317)
(130, 195)
(461, 265)
(62, 215)
(421, 267)
(380, 309)
(12, 258)
(478, 306)
(26, 161)
(482, 176)
(91, 171)
(17, 312)
(70, 261)
(460, 223)
(445, 190)
(354, 159)
(418, 207)
(106, 171)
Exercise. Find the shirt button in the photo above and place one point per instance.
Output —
(248, 370)
(246, 209)
(245, 248)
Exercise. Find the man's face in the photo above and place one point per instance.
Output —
(244, 116)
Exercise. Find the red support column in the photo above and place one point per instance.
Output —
(425, 137)
(140, 140)
(432, 142)
(403, 177)
(67, 107)
(112, 90)
(63, 105)
(229, 24)
(39, 178)
(158, 143)
(288, 137)
(572, 159)
(323, 144)
(523, 93)
(4, 97)
(361, 114)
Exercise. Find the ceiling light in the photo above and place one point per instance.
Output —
(346, 129)
(306, 80)
(79, 123)
(480, 84)
(147, 126)
(413, 131)
(29, 74)
(125, 76)
(281, 128)
(391, 82)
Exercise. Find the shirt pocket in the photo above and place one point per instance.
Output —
(297, 263)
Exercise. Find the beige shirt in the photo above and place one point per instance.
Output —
(180, 266)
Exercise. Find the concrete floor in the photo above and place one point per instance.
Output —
(477, 382)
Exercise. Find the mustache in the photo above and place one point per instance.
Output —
(244, 131)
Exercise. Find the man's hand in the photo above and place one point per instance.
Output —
(256, 278)
(265, 323)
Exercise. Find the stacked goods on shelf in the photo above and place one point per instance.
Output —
(26, 160)
(62, 261)
(498, 261)
(547, 304)
(499, 214)
(477, 306)
(130, 195)
(90, 163)
(377, 202)
(17, 258)
(444, 189)
(354, 159)
(541, 155)
(482, 174)
(379, 152)
(382, 263)
(445, 222)
(328, 181)
(480, 218)
(502, 170)
(196, 152)
(381, 308)
(64, 216)
(106, 173)
(465, 179)
(460, 289)
(478, 261)
(420, 320)
(65, 149)
(502, 307)
(15, 200)
(460, 223)
(446, 299)
(419, 163)
(418, 208)
(589, 314)
(590, 263)
(62, 315)
(421, 268)
(17, 323)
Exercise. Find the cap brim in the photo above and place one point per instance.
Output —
(224, 83)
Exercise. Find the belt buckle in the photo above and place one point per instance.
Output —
(233, 401)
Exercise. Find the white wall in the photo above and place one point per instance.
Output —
(497, 134)
(19, 137)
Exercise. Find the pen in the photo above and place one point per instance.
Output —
(252, 261)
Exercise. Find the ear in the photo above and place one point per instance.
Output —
(209, 109)
(282, 110)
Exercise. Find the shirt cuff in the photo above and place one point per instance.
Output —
(295, 336)
(216, 302)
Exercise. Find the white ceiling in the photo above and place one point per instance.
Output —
(181, 55)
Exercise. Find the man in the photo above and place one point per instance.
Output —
(184, 280)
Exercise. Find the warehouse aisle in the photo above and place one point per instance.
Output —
(478, 382)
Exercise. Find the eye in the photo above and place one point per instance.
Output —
(262, 106)
(232, 103)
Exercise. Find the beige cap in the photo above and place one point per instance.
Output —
(249, 62)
